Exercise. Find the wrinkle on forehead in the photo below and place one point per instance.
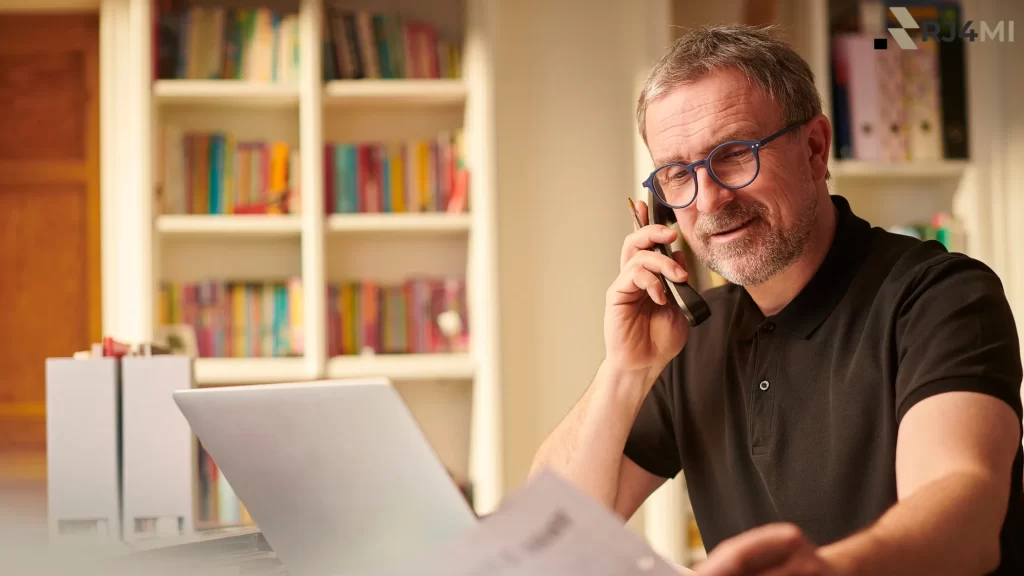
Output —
(685, 123)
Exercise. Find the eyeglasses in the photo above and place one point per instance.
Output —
(733, 165)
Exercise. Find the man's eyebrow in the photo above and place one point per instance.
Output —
(734, 134)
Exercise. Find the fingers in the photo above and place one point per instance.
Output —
(642, 273)
(754, 551)
(641, 207)
(643, 239)
(680, 257)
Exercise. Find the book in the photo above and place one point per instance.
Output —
(419, 175)
(216, 173)
(423, 315)
(364, 44)
(237, 319)
(221, 43)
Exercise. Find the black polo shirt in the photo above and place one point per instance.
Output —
(794, 417)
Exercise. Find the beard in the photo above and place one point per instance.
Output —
(763, 250)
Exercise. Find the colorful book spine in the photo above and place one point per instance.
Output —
(408, 176)
(237, 319)
(215, 173)
(365, 44)
(217, 43)
(218, 504)
(419, 316)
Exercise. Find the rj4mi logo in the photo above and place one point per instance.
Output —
(943, 30)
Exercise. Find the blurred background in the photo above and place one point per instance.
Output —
(428, 190)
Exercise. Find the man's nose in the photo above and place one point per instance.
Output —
(710, 195)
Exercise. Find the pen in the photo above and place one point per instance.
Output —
(636, 216)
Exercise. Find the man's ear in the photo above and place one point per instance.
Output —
(819, 145)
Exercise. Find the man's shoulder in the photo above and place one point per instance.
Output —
(909, 263)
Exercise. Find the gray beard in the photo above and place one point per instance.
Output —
(758, 256)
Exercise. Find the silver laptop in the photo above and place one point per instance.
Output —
(337, 474)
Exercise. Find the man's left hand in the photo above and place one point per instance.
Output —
(771, 550)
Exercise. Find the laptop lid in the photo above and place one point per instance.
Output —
(337, 474)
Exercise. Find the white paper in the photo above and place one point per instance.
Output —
(547, 528)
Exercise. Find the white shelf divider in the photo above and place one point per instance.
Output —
(228, 225)
(919, 170)
(439, 91)
(408, 222)
(225, 92)
(311, 144)
(220, 371)
(403, 366)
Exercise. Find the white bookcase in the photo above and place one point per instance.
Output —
(454, 396)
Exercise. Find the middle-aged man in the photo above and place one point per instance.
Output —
(853, 404)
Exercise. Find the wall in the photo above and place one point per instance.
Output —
(564, 96)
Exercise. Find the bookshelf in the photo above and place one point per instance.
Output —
(395, 93)
(225, 93)
(175, 238)
(169, 225)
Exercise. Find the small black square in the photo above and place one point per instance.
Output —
(881, 43)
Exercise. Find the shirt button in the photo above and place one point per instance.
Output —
(769, 327)
(764, 385)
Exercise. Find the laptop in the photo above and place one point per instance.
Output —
(337, 474)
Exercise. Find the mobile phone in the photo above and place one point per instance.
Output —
(694, 307)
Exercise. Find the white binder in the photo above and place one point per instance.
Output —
(83, 448)
(159, 448)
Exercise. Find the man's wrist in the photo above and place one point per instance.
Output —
(856, 554)
(628, 385)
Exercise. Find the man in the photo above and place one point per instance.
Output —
(853, 405)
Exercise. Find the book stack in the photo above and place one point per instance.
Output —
(408, 176)
(893, 104)
(237, 319)
(218, 504)
(215, 173)
(362, 44)
(943, 227)
(418, 316)
(216, 43)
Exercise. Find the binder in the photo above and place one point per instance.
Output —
(83, 443)
(891, 105)
(159, 448)
(924, 122)
(856, 52)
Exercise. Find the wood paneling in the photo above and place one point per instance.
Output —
(49, 208)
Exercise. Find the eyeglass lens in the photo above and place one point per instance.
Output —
(733, 165)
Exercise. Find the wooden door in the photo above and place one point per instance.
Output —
(49, 209)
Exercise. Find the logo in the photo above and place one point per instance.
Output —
(942, 30)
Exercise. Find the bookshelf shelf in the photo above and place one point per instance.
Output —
(226, 92)
(402, 366)
(422, 222)
(229, 225)
(395, 92)
(938, 169)
(219, 371)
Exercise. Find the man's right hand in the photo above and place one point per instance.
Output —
(643, 328)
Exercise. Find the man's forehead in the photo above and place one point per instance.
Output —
(691, 119)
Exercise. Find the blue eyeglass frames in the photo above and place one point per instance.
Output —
(733, 165)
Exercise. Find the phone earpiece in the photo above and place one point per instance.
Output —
(694, 307)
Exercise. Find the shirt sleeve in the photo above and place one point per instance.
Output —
(955, 332)
(652, 441)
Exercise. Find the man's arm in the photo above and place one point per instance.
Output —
(586, 448)
(953, 461)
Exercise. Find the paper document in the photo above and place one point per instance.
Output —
(547, 528)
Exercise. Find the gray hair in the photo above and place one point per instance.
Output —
(768, 62)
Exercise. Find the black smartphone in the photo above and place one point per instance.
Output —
(694, 307)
